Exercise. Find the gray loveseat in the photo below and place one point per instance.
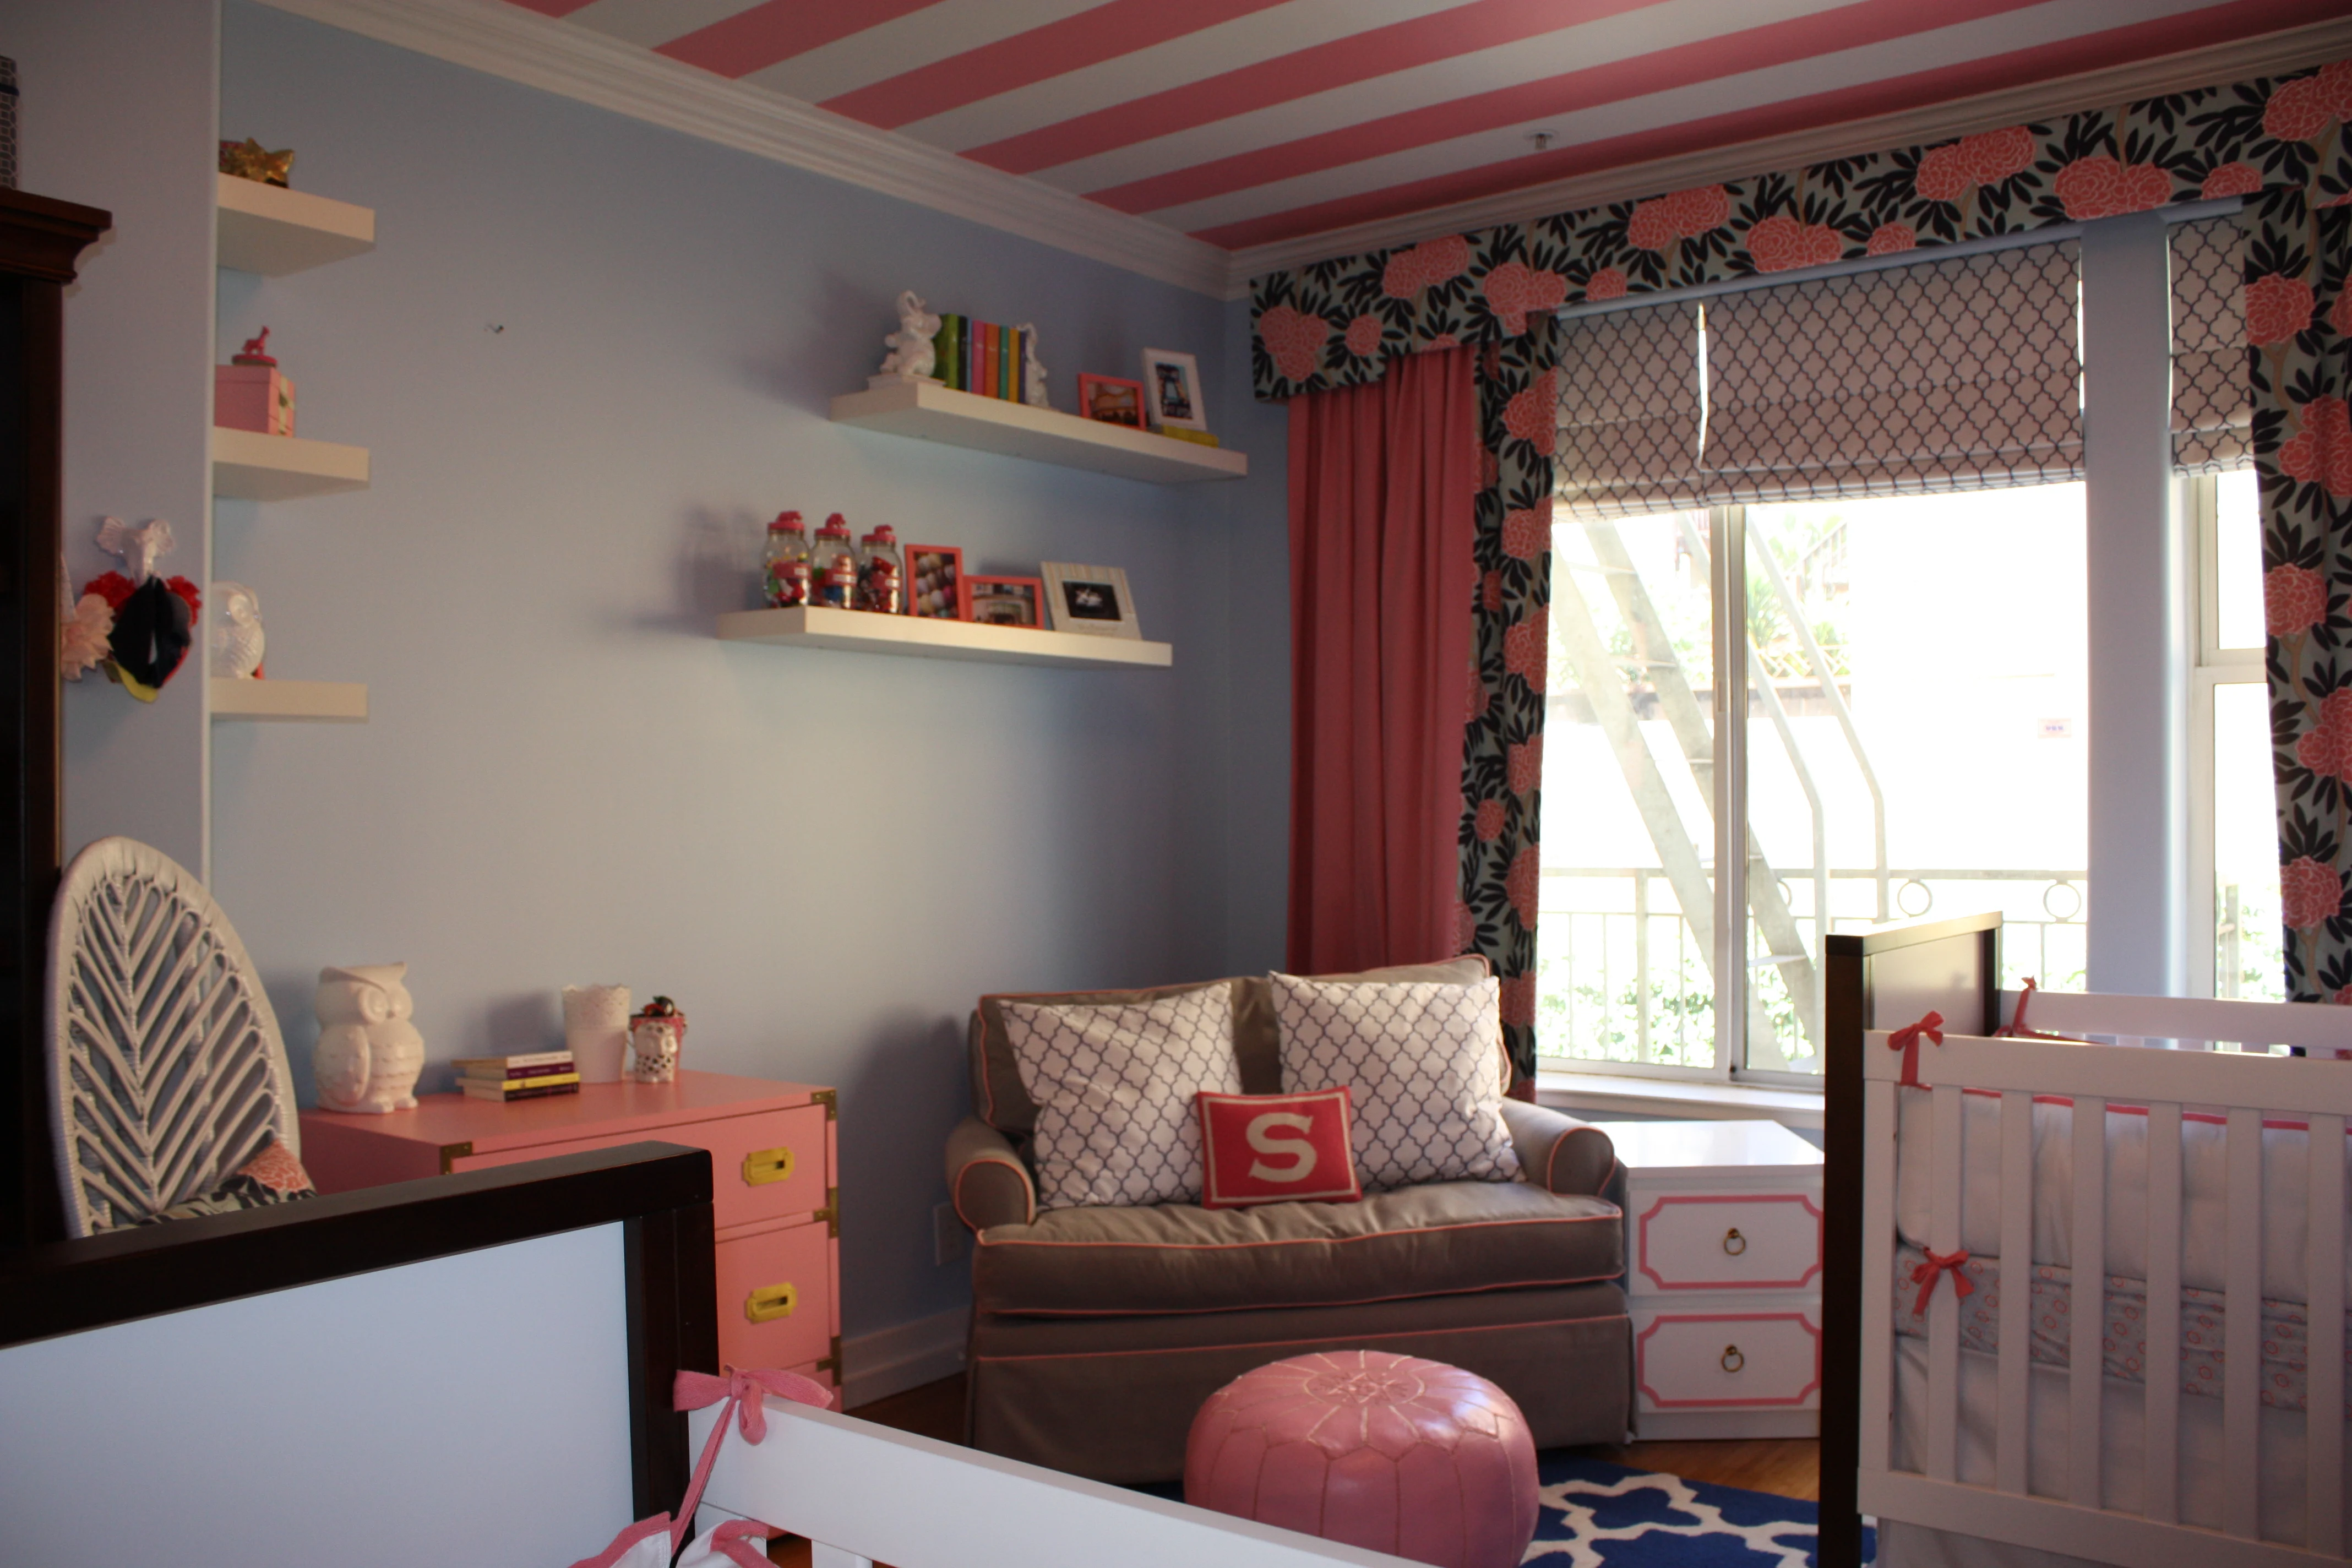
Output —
(1096, 1332)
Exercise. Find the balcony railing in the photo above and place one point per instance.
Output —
(1621, 979)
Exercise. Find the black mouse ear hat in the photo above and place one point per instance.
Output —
(154, 627)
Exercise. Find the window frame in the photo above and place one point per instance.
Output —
(2213, 666)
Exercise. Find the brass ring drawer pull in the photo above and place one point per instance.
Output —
(1732, 1359)
(1733, 1242)
(764, 1166)
(769, 1302)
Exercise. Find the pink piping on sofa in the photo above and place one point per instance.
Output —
(1383, 485)
(1353, 1340)
(1613, 1216)
(1422, 1295)
(1029, 1191)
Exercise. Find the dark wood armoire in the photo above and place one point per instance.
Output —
(41, 242)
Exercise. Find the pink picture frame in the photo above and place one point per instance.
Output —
(1111, 399)
(937, 588)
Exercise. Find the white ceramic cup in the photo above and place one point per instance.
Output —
(596, 1028)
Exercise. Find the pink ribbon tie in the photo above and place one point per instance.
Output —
(743, 1387)
(2017, 1030)
(1907, 1041)
(1939, 1264)
(745, 1390)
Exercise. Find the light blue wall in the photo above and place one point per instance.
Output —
(117, 112)
(565, 777)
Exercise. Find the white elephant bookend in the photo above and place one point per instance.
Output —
(369, 1054)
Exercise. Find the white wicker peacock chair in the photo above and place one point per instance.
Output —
(166, 1072)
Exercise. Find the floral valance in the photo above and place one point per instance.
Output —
(1337, 324)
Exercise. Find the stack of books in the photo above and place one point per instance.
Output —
(531, 1076)
(981, 356)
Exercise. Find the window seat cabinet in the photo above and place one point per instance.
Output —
(775, 1184)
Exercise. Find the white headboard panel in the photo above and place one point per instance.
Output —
(469, 1410)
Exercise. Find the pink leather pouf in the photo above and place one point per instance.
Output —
(1390, 1452)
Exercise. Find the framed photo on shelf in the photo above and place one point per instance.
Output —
(936, 589)
(1171, 387)
(1091, 600)
(1006, 600)
(1111, 400)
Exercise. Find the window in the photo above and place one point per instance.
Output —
(2233, 834)
(1863, 493)
(1900, 759)
(2234, 872)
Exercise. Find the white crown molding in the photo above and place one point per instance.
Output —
(573, 62)
(2236, 61)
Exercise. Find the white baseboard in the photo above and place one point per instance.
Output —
(906, 1355)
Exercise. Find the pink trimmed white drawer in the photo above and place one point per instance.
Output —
(1723, 1235)
(775, 1184)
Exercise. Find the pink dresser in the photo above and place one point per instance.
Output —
(776, 1195)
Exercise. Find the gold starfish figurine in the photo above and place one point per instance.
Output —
(250, 160)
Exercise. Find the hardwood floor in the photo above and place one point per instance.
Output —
(1791, 1467)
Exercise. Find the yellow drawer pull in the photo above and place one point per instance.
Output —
(764, 1166)
(1733, 1242)
(1732, 1359)
(769, 1302)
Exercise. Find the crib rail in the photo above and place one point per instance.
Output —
(863, 1493)
(2195, 1020)
(2242, 1090)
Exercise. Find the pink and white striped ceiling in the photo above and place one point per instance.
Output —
(1244, 123)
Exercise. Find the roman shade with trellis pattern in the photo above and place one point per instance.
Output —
(1962, 374)
(2212, 404)
(1630, 412)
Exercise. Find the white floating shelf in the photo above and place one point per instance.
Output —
(318, 701)
(857, 631)
(271, 230)
(250, 466)
(930, 412)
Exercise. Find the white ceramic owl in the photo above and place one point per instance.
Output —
(369, 1054)
(237, 630)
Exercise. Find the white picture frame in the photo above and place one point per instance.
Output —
(1171, 391)
(1074, 601)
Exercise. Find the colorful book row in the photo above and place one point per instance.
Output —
(981, 356)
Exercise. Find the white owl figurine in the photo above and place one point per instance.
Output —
(369, 1054)
(237, 631)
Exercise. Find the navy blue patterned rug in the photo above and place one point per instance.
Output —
(1598, 1515)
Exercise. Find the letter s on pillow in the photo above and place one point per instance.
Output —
(1264, 1137)
(1276, 1148)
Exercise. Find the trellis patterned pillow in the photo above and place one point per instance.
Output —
(1114, 1087)
(1420, 1061)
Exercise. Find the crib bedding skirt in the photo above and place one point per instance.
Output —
(2198, 1359)
(2204, 1196)
(2122, 1459)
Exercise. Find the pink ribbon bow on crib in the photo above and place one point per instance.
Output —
(743, 1388)
(745, 1391)
(1907, 1041)
(1939, 1264)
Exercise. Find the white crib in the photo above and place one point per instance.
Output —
(2071, 1459)
(862, 1493)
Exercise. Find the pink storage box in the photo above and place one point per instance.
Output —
(253, 397)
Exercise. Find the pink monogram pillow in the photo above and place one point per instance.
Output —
(1419, 1060)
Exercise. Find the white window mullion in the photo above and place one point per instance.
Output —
(1729, 556)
